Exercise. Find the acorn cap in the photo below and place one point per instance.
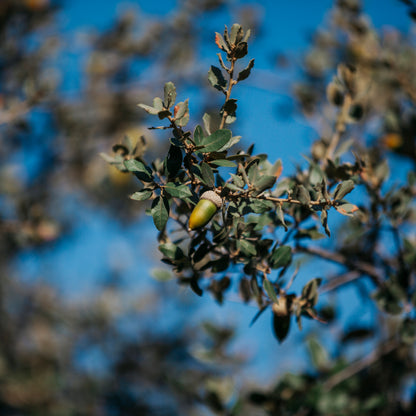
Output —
(213, 197)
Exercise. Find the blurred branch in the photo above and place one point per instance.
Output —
(359, 266)
(340, 280)
(17, 111)
(361, 364)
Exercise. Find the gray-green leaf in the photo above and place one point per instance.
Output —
(170, 94)
(216, 141)
(281, 257)
(160, 212)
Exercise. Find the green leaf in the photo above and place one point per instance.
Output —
(221, 43)
(198, 135)
(280, 257)
(178, 191)
(142, 195)
(281, 216)
(230, 143)
(246, 247)
(303, 195)
(236, 33)
(216, 141)
(245, 73)
(234, 187)
(230, 106)
(223, 162)
(161, 275)
(238, 180)
(315, 175)
(173, 161)
(346, 209)
(206, 118)
(158, 104)
(247, 35)
(216, 78)
(408, 331)
(182, 110)
(311, 233)
(169, 94)
(270, 290)
(318, 354)
(260, 206)
(207, 175)
(160, 212)
(139, 169)
(262, 183)
(310, 291)
(324, 221)
(241, 50)
(343, 189)
(171, 251)
(149, 109)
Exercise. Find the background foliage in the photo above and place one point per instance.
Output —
(337, 230)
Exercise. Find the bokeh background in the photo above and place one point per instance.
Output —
(88, 320)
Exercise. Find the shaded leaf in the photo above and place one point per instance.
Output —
(324, 221)
(246, 71)
(262, 183)
(207, 175)
(173, 161)
(163, 114)
(280, 257)
(216, 141)
(241, 50)
(139, 169)
(216, 78)
(408, 331)
(142, 195)
(343, 189)
(160, 212)
(177, 190)
(270, 290)
(246, 247)
(171, 251)
(310, 291)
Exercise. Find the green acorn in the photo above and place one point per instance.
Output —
(204, 210)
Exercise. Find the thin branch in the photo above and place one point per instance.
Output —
(360, 365)
(340, 280)
(231, 83)
(358, 266)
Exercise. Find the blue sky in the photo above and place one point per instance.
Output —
(286, 27)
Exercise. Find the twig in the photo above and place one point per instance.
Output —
(231, 83)
(358, 266)
(360, 365)
(341, 280)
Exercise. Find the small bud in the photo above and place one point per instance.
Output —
(204, 210)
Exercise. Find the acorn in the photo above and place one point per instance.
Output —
(207, 206)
